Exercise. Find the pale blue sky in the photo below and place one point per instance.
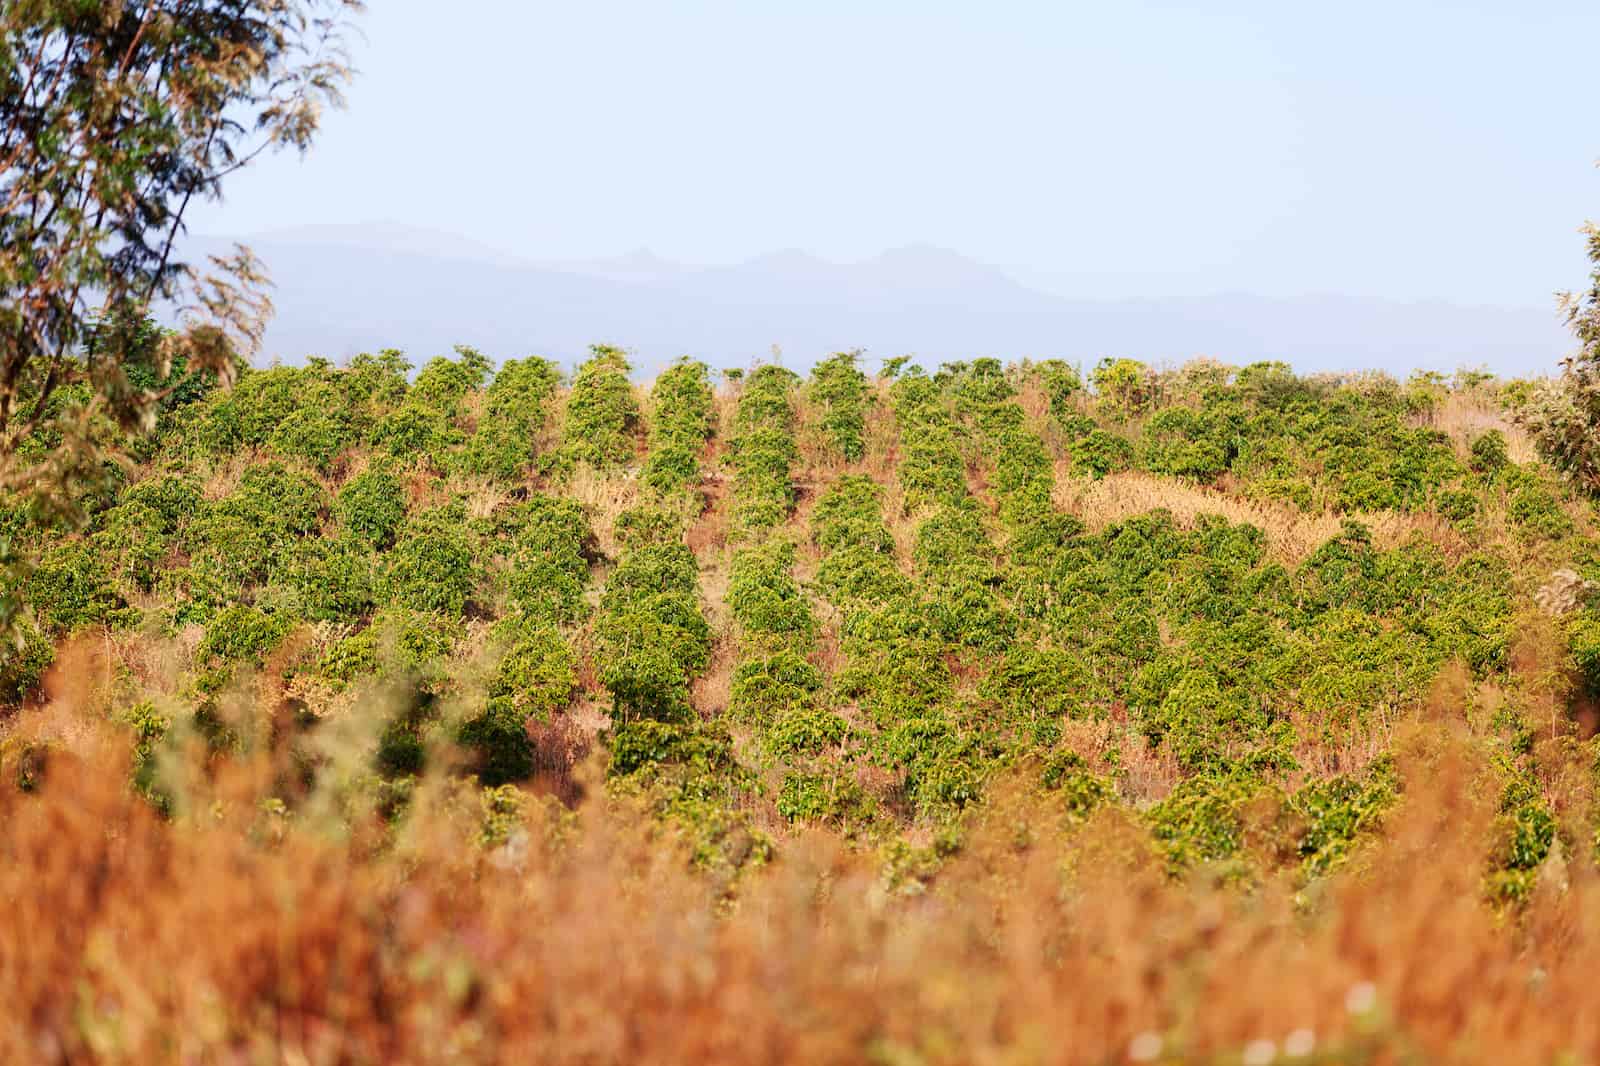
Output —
(1410, 151)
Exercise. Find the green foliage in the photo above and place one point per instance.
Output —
(766, 600)
(1527, 831)
(372, 505)
(535, 679)
(434, 566)
(1203, 819)
(1188, 443)
(514, 410)
(601, 411)
(1489, 452)
(332, 579)
(242, 634)
(23, 663)
(832, 798)
(353, 657)
(682, 421)
(646, 744)
(1337, 811)
(443, 383)
(650, 634)
(548, 558)
(1100, 452)
(1062, 384)
(297, 412)
(1122, 386)
(1583, 643)
(71, 587)
(762, 449)
(1081, 791)
(1538, 511)
(839, 388)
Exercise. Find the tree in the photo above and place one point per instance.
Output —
(115, 117)
(1564, 415)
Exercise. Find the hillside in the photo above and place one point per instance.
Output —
(976, 714)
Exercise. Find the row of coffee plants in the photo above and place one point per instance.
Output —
(602, 414)
(893, 668)
(762, 450)
(651, 641)
(839, 390)
(1027, 694)
(681, 420)
(776, 688)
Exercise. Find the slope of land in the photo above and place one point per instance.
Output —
(972, 715)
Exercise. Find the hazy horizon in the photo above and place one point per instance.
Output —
(1424, 152)
(347, 288)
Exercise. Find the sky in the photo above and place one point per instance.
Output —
(1408, 151)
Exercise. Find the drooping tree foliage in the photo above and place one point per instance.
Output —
(1564, 415)
(114, 119)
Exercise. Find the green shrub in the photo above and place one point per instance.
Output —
(516, 405)
(443, 383)
(315, 434)
(1062, 383)
(71, 587)
(681, 422)
(762, 450)
(1336, 811)
(1202, 819)
(1458, 505)
(549, 565)
(1099, 453)
(414, 429)
(650, 634)
(1188, 443)
(24, 661)
(372, 505)
(1122, 386)
(536, 677)
(765, 598)
(831, 798)
(1081, 790)
(333, 579)
(1539, 513)
(353, 657)
(804, 730)
(534, 680)
(1489, 452)
(433, 568)
(242, 634)
(839, 388)
(766, 685)
(647, 745)
(601, 411)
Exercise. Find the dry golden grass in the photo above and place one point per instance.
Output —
(603, 494)
(1292, 535)
(235, 933)
(1466, 415)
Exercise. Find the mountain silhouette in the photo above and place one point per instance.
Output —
(340, 290)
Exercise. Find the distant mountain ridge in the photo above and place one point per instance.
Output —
(340, 290)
